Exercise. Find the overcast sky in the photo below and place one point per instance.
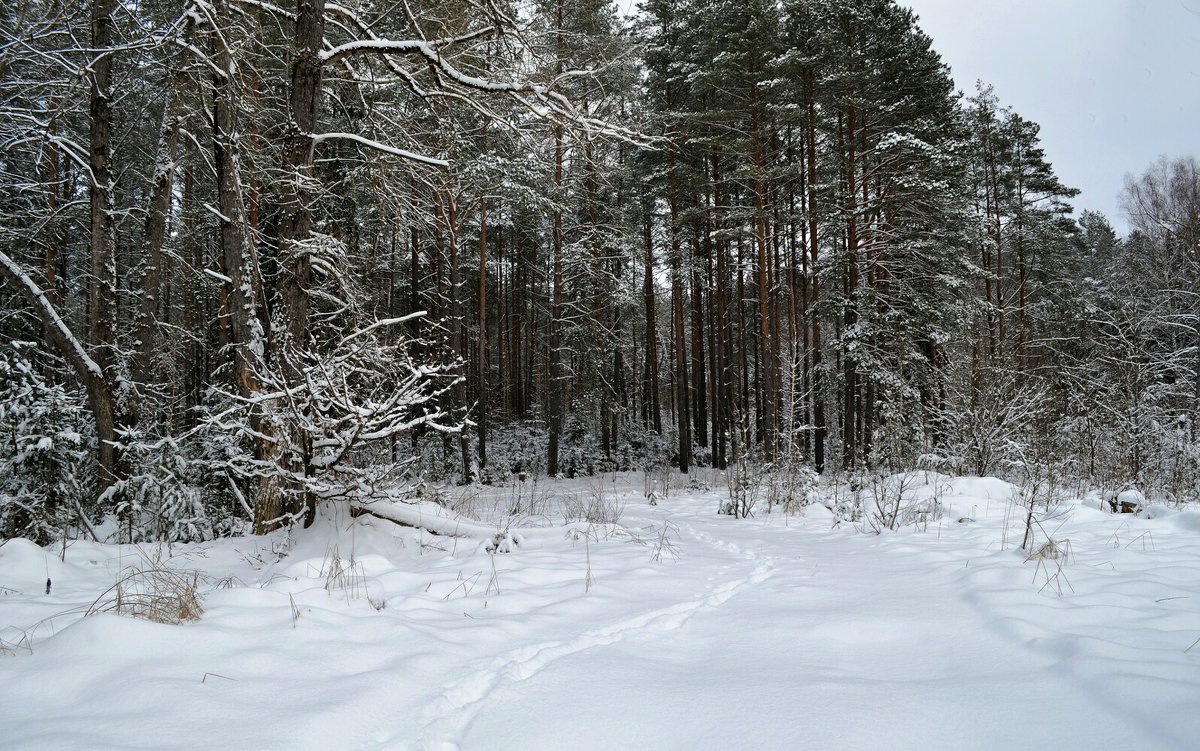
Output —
(1113, 83)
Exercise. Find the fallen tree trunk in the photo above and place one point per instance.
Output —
(428, 516)
(439, 520)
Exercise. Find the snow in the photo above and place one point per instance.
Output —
(673, 628)
(77, 355)
(378, 146)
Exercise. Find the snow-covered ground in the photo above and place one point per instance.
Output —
(675, 628)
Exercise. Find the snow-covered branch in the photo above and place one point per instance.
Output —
(428, 48)
(66, 341)
(380, 147)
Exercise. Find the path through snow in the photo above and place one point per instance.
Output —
(773, 632)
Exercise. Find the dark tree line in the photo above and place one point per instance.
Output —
(259, 255)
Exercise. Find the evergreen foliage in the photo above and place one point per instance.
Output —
(331, 251)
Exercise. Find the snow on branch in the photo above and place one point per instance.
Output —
(71, 347)
(540, 99)
(270, 7)
(429, 49)
(382, 323)
(318, 138)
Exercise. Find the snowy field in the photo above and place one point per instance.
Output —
(671, 628)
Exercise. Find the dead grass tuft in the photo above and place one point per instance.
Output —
(153, 593)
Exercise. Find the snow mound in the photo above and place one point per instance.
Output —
(24, 566)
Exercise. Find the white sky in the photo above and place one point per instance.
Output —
(1113, 83)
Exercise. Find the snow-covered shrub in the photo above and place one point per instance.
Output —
(516, 448)
(845, 498)
(1172, 469)
(891, 502)
(745, 480)
(791, 484)
(643, 448)
(996, 423)
(519, 448)
(900, 438)
(335, 424)
(228, 501)
(42, 449)
(579, 452)
(161, 499)
(938, 463)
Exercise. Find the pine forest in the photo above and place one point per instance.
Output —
(258, 257)
(542, 374)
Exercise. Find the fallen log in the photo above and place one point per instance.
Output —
(439, 520)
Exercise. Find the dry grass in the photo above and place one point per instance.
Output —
(1051, 550)
(345, 575)
(598, 507)
(662, 543)
(1052, 558)
(11, 648)
(152, 592)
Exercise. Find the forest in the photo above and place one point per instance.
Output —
(255, 257)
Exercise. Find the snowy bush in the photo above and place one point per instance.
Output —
(333, 425)
(519, 447)
(1003, 420)
(1172, 468)
(891, 502)
(746, 487)
(42, 448)
(645, 449)
(161, 499)
(516, 448)
(791, 484)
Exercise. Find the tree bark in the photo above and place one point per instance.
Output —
(818, 400)
(102, 283)
(155, 234)
(767, 388)
(295, 225)
(481, 390)
(650, 401)
(850, 405)
(237, 261)
(682, 387)
(557, 375)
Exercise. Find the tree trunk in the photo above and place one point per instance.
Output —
(767, 387)
(55, 245)
(650, 402)
(155, 234)
(682, 395)
(818, 401)
(295, 225)
(237, 261)
(102, 284)
(554, 399)
(713, 394)
(699, 384)
(850, 405)
(481, 390)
